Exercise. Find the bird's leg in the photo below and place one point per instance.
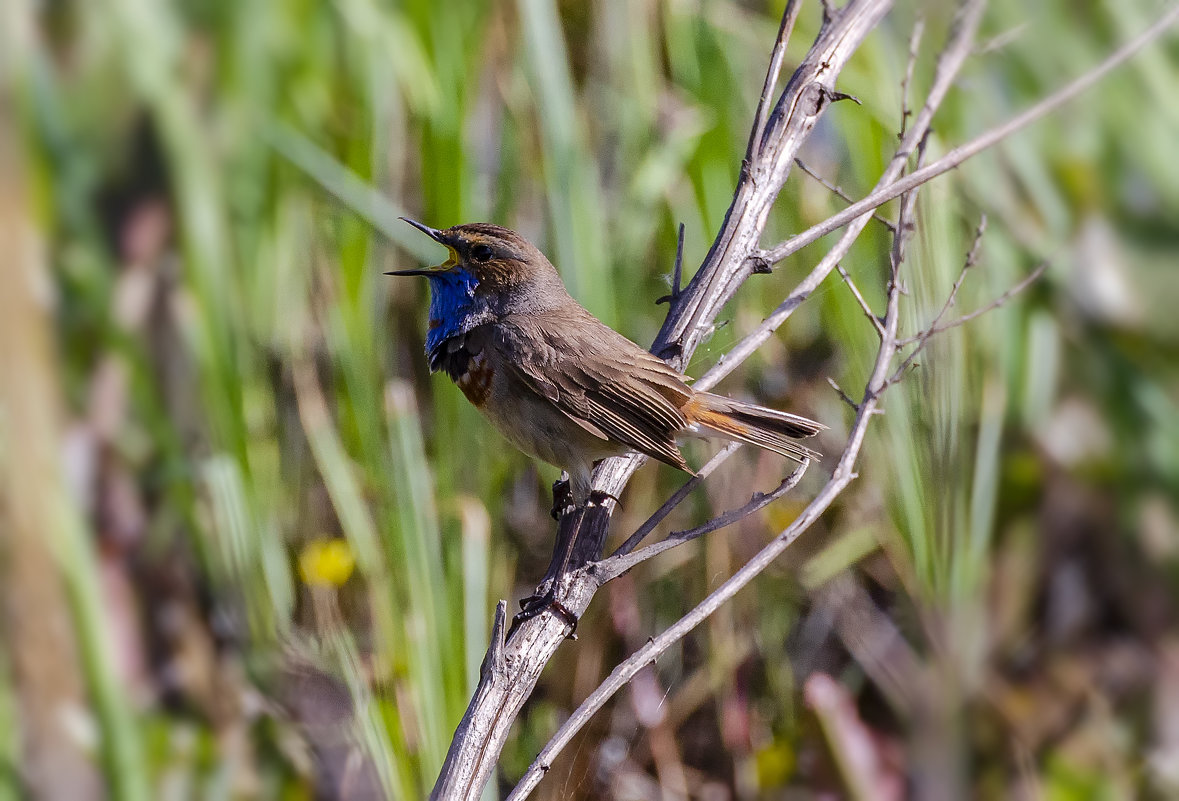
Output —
(545, 596)
(562, 497)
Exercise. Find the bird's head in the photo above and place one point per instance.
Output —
(498, 258)
(492, 271)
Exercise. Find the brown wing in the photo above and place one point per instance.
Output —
(598, 378)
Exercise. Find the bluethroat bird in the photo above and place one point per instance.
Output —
(557, 382)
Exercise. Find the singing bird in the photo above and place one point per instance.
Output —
(560, 384)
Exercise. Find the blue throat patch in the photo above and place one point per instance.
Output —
(452, 299)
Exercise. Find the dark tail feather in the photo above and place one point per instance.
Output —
(755, 425)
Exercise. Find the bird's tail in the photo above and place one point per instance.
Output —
(715, 415)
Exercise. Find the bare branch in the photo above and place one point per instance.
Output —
(735, 256)
(843, 475)
(961, 153)
(614, 566)
(757, 133)
(906, 219)
(659, 644)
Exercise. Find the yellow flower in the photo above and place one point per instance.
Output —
(326, 563)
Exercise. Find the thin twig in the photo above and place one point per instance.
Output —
(906, 224)
(997, 302)
(975, 146)
(843, 396)
(677, 274)
(833, 188)
(1001, 40)
(677, 271)
(614, 566)
(836, 190)
(864, 307)
(906, 218)
(907, 81)
(970, 261)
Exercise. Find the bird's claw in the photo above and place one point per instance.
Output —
(539, 602)
(599, 498)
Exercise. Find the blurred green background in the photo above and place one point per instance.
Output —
(250, 548)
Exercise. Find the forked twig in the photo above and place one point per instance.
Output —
(970, 261)
(1011, 292)
(922, 339)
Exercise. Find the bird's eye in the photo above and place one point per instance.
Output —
(481, 253)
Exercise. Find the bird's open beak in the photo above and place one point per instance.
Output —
(439, 237)
(433, 233)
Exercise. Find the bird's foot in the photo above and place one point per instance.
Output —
(542, 600)
(562, 498)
